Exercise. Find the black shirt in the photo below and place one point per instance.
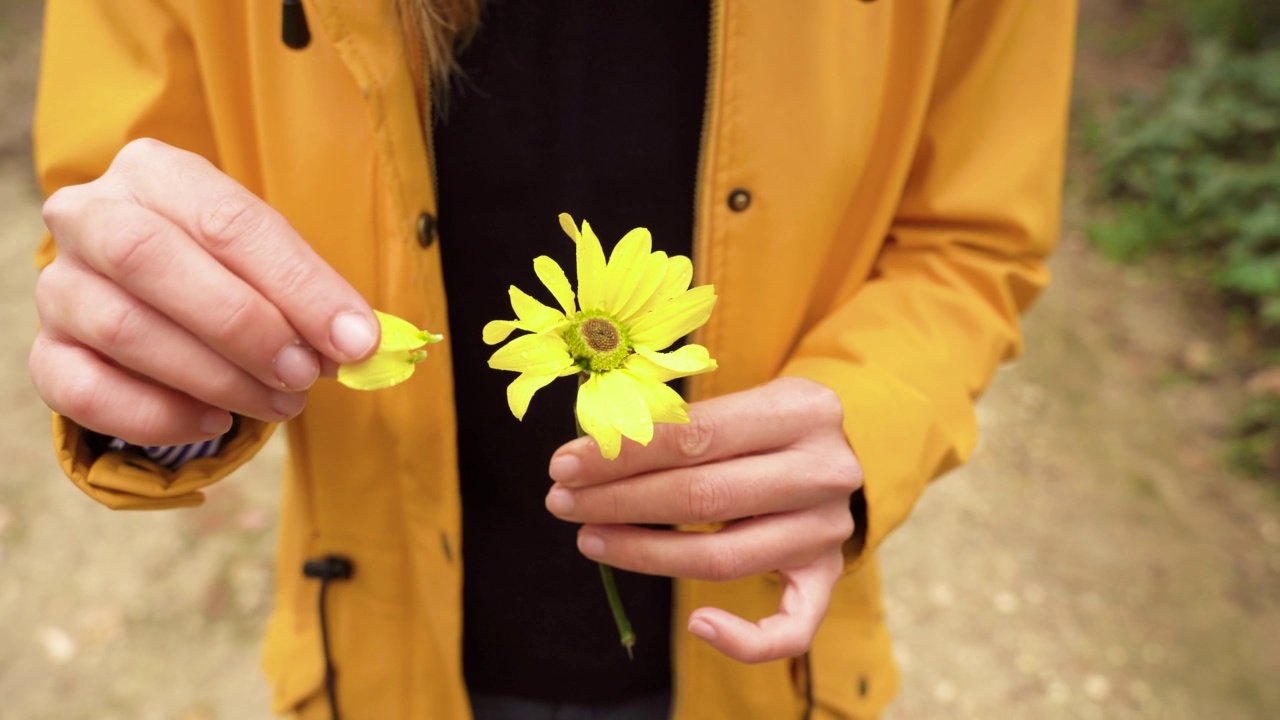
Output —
(595, 109)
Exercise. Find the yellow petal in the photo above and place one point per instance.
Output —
(665, 404)
(495, 331)
(551, 275)
(594, 422)
(398, 334)
(591, 270)
(521, 391)
(688, 360)
(675, 280)
(570, 228)
(533, 315)
(537, 354)
(625, 270)
(380, 371)
(674, 318)
(655, 267)
(624, 405)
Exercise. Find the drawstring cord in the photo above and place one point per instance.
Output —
(326, 569)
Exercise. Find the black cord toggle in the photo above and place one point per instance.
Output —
(293, 25)
(327, 569)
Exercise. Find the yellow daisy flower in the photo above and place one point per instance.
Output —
(399, 352)
(631, 308)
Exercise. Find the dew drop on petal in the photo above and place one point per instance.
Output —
(524, 353)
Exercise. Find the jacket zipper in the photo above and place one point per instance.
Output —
(701, 231)
(702, 201)
(701, 219)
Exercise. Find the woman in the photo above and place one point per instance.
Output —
(872, 187)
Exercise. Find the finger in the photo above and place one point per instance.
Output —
(256, 243)
(766, 418)
(739, 550)
(716, 492)
(157, 263)
(142, 340)
(76, 383)
(806, 596)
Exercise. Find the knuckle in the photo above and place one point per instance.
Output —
(62, 205)
(841, 526)
(231, 388)
(844, 471)
(232, 321)
(130, 245)
(724, 563)
(119, 325)
(50, 286)
(707, 498)
(693, 439)
(79, 397)
(294, 277)
(791, 645)
(230, 219)
(138, 153)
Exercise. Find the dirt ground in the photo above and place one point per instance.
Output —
(1094, 560)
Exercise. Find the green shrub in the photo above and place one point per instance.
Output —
(1244, 24)
(1196, 169)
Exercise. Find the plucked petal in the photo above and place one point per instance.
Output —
(552, 275)
(623, 400)
(538, 354)
(664, 367)
(380, 371)
(655, 268)
(521, 391)
(591, 269)
(665, 404)
(674, 318)
(398, 334)
(626, 268)
(594, 421)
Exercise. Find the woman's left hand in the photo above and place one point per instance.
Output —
(772, 463)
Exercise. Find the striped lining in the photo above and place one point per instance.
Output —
(173, 456)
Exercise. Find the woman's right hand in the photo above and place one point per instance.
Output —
(178, 297)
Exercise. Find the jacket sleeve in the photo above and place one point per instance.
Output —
(113, 71)
(909, 352)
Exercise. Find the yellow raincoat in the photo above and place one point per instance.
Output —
(879, 186)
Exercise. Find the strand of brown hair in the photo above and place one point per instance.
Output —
(443, 28)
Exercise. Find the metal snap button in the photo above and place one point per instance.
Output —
(426, 229)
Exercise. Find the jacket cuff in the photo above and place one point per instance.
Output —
(895, 435)
(127, 481)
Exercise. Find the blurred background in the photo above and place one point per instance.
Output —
(1112, 551)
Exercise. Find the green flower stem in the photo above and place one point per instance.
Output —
(626, 635)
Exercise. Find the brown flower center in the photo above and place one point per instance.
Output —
(600, 334)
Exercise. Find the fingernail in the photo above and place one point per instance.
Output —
(353, 335)
(591, 546)
(565, 467)
(288, 404)
(296, 367)
(560, 501)
(702, 629)
(215, 422)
